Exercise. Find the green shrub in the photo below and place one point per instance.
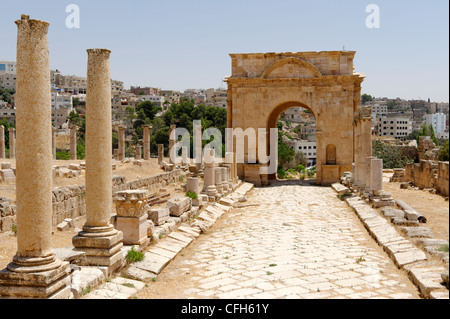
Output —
(134, 256)
(191, 195)
(301, 168)
(281, 174)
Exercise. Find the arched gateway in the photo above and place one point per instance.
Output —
(263, 85)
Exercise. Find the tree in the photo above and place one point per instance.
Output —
(150, 109)
(366, 98)
(392, 156)
(443, 155)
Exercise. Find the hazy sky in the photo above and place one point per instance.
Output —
(174, 44)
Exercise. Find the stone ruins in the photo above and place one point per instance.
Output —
(121, 217)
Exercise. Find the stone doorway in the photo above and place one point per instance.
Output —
(297, 130)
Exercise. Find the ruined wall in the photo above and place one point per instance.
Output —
(429, 174)
(70, 202)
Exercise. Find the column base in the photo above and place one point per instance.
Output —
(101, 250)
(51, 284)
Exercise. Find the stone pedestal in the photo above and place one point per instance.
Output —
(376, 175)
(192, 185)
(98, 239)
(209, 186)
(35, 272)
(132, 216)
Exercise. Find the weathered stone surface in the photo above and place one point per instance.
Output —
(418, 232)
(409, 256)
(152, 263)
(179, 205)
(67, 224)
(131, 203)
(340, 189)
(427, 279)
(158, 215)
(393, 212)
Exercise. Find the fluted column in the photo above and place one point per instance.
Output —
(35, 272)
(98, 239)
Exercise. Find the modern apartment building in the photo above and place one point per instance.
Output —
(309, 149)
(398, 127)
(7, 67)
(8, 81)
(438, 121)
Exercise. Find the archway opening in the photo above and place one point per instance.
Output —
(297, 144)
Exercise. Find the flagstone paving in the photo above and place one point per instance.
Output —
(289, 241)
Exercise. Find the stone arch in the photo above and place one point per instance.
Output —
(307, 69)
(273, 119)
(331, 154)
(276, 112)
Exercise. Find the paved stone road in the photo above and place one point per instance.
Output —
(291, 241)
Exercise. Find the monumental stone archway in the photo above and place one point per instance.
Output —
(263, 85)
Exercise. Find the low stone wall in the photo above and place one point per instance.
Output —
(70, 202)
(429, 174)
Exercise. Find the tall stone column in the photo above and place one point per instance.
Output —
(146, 139)
(12, 141)
(172, 142)
(160, 153)
(138, 152)
(98, 238)
(2, 141)
(121, 143)
(35, 272)
(73, 143)
(366, 146)
(54, 143)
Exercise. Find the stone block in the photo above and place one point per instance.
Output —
(5, 165)
(134, 230)
(392, 212)
(158, 215)
(7, 176)
(179, 205)
(413, 232)
(66, 224)
(340, 189)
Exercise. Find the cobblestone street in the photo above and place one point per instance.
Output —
(289, 241)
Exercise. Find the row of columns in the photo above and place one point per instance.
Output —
(119, 154)
(35, 272)
(12, 143)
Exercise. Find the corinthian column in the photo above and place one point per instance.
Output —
(35, 272)
(98, 239)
